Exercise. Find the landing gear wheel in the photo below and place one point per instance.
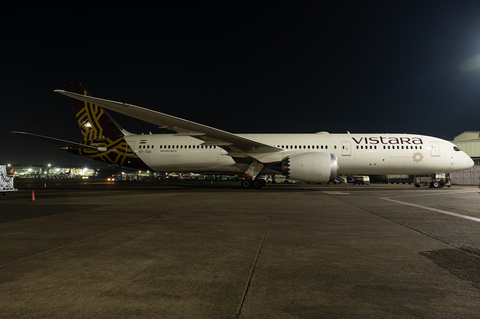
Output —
(258, 184)
(246, 183)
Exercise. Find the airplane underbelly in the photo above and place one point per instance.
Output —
(192, 162)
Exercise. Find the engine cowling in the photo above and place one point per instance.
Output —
(312, 167)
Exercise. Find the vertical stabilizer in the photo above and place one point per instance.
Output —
(100, 130)
(94, 122)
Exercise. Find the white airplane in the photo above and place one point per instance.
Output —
(198, 148)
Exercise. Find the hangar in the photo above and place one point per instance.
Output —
(469, 142)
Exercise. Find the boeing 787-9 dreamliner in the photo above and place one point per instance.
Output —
(197, 148)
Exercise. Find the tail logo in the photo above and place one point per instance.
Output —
(88, 120)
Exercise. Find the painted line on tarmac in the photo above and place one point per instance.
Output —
(433, 193)
(433, 209)
(336, 193)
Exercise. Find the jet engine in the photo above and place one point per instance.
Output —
(314, 167)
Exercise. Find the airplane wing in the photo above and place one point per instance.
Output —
(211, 136)
(61, 142)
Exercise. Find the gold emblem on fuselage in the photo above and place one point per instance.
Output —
(417, 157)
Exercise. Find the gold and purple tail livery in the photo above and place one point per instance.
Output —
(101, 130)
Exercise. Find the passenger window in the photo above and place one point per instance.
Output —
(326, 147)
(456, 149)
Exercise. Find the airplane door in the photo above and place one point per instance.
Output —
(435, 149)
(346, 148)
(129, 148)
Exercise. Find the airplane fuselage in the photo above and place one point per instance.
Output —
(356, 153)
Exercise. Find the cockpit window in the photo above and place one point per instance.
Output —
(456, 149)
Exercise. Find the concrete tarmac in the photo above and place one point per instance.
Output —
(190, 249)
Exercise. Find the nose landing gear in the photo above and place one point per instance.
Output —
(433, 181)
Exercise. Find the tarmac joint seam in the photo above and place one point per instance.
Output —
(247, 286)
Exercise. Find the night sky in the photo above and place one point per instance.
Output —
(278, 67)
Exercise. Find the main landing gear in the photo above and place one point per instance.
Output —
(256, 183)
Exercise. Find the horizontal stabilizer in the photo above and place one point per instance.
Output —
(61, 142)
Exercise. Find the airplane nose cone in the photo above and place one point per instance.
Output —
(470, 162)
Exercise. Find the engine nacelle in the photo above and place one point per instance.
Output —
(313, 167)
